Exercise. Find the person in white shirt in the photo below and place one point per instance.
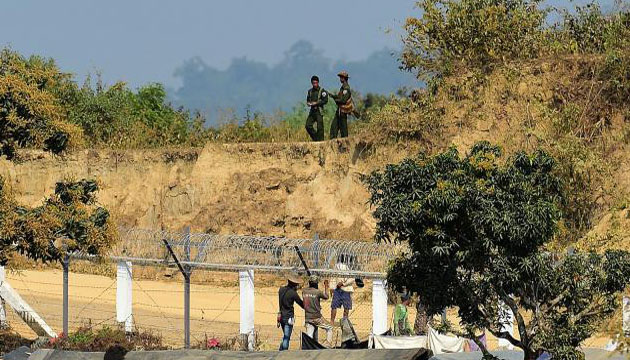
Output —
(341, 289)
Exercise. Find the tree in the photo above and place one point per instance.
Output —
(474, 33)
(68, 221)
(30, 113)
(477, 228)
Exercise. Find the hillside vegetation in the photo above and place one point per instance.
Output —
(496, 70)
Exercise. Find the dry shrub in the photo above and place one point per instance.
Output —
(11, 340)
(87, 338)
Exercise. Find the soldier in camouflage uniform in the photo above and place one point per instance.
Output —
(316, 99)
(344, 107)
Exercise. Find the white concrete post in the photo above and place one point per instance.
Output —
(3, 312)
(379, 306)
(508, 326)
(246, 284)
(124, 300)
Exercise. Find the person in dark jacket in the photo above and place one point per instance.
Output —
(345, 106)
(287, 296)
(316, 99)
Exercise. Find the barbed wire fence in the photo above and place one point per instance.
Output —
(188, 314)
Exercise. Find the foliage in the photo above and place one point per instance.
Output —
(588, 30)
(477, 229)
(584, 174)
(471, 33)
(89, 339)
(478, 34)
(30, 113)
(415, 118)
(615, 74)
(11, 340)
(68, 221)
(121, 118)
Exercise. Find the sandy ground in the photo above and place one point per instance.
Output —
(158, 306)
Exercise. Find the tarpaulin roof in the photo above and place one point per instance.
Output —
(591, 354)
(329, 354)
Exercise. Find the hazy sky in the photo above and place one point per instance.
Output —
(145, 40)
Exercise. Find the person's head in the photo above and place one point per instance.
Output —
(115, 352)
(315, 81)
(293, 280)
(405, 298)
(313, 281)
(343, 77)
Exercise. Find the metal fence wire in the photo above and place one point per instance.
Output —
(270, 253)
(206, 305)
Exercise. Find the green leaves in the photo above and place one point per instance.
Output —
(476, 33)
(477, 227)
(67, 221)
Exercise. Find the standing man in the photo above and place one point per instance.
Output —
(401, 316)
(313, 309)
(287, 296)
(342, 290)
(316, 98)
(345, 106)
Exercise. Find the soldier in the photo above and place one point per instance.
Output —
(316, 99)
(345, 106)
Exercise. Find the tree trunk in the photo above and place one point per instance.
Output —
(420, 325)
(530, 354)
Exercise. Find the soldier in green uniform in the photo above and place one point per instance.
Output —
(345, 106)
(316, 99)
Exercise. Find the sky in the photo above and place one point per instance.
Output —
(142, 41)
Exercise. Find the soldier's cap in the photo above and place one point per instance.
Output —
(313, 279)
(314, 78)
(344, 74)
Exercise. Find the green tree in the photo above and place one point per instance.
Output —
(471, 33)
(30, 113)
(68, 221)
(477, 227)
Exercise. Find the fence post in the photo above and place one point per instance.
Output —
(379, 306)
(187, 290)
(246, 285)
(3, 313)
(65, 263)
(124, 300)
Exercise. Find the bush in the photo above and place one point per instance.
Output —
(589, 31)
(30, 113)
(11, 340)
(615, 75)
(67, 221)
(471, 33)
(88, 339)
(403, 119)
(117, 117)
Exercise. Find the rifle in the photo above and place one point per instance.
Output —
(297, 250)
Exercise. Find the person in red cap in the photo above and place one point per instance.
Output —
(345, 106)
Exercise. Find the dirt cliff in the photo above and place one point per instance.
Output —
(283, 189)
